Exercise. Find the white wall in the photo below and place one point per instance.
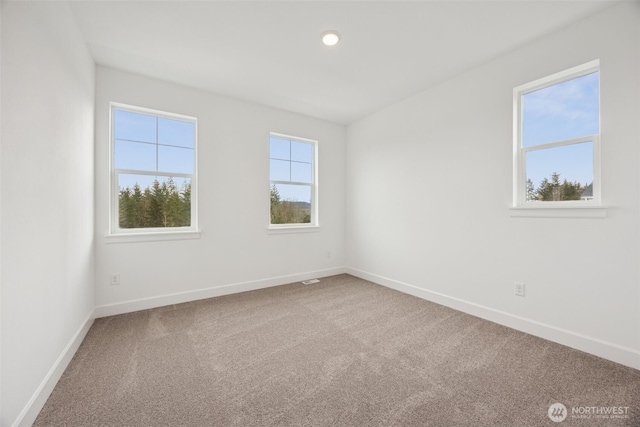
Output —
(235, 252)
(429, 185)
(47, 199)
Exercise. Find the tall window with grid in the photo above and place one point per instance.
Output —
(292, 173)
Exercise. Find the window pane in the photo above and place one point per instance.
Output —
(295, 193)
(126, 180)
(549, 168)
(279, 148)
(301, 151)
(134, 126)
(134, 155)
(290, 204)
(176, 132)
(301, 172)
(279, 170)
(146, 201)
(175, 159)
(566, 110)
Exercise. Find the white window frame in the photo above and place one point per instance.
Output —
(297, 227)
(150, 233)
(520, 152)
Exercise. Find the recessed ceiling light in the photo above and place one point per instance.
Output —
(330, 38)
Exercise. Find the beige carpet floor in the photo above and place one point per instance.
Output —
(343, 352)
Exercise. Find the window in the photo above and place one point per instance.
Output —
(153, 171)
(292, 172)
(557, 139)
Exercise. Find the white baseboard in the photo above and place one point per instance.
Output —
(42, 393)
(181, 297)
(607, 350)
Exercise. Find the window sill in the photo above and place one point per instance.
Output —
(152, 237)
(556, 211)
(293, 229)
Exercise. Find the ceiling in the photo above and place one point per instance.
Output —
(269, 52)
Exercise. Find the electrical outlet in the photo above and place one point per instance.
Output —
(115, 279)
(518, 289)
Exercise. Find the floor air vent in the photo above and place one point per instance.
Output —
(311, 282)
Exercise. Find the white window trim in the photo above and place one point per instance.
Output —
(572, 209)
(579, 211)
(294, 228)
(152, 236)
(314, 225)
(117, 234)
